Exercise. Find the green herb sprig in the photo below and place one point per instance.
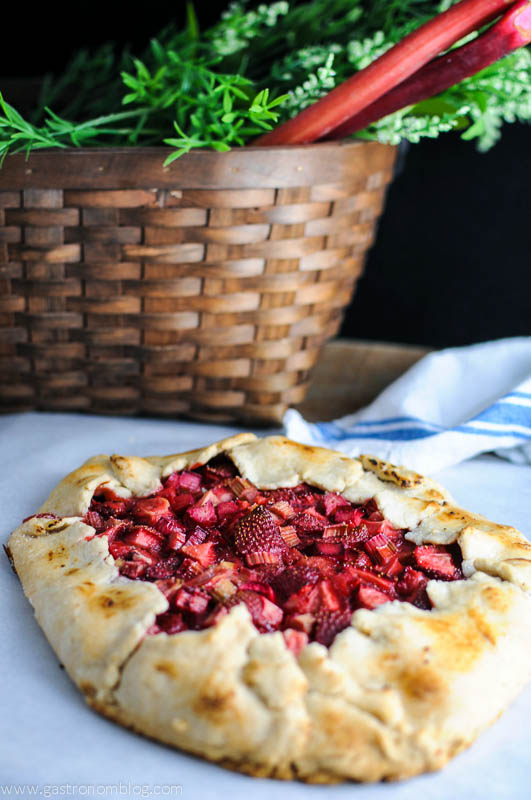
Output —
(255, 67)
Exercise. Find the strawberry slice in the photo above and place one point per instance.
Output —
(95, 520)
(352, 516)
(291, 580)
(370, 597)
(436, 560)
(309, 521)
(204, 514)
(329, 623)
(204, 553)
(257, 538)
(266, 615)
(332, 501)
(146, 538)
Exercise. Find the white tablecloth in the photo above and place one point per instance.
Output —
(52, 742)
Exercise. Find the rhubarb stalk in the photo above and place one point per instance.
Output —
(392, 68)
(511, 31)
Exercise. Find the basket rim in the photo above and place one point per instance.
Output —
(238, 168)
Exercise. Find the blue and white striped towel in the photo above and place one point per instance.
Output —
(451, 405)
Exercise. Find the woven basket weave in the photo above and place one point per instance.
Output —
(206, 288)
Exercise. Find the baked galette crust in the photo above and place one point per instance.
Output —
(399, 692)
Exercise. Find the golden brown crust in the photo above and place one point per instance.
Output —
(398, 693)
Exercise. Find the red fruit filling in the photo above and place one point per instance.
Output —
(300, 559)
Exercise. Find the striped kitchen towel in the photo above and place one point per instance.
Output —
(451, 405)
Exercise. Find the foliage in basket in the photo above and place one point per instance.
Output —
(257, 66)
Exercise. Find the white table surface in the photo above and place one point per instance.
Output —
(54, 744)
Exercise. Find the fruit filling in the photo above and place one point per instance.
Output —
(302, 560)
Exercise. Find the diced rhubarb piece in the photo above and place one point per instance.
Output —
(282, 509)
(192, 600)
(436, 560)
(150, 509)
(180, 502)
(146, 538)
(336, 532)
(204, 553)
(352, 516)
(171, 623)
(257, 537)
(289, 534)
(266, 615)
(243, 489)
(329, 623)
(191, 481)
(223, 493)
(133, 569)
(295, 640)
(203, 514)
(329, 548)
(381, 549)
(227, 508)
(332, 501)
(370, 597)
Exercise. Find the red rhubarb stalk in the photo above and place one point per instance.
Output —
(511, 31)
(393, 67)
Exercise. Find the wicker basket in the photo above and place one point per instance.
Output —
(206, 288)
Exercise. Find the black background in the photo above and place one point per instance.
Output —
(451, 264)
